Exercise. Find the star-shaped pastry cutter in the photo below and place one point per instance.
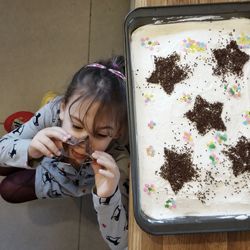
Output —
(73, 141)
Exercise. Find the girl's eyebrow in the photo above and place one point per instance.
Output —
(106, 127)
(78, 120)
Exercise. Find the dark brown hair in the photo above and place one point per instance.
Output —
(100, 85)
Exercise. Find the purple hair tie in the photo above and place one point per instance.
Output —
(115, 72)
(115, 65)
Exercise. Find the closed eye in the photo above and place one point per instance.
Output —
(102, 135)
(76, 127)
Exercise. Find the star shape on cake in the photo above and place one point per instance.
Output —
(239, 155)
(206, 116)
(168, 72)
(177, 168)
(230, 60)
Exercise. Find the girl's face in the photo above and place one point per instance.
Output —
(72, 123)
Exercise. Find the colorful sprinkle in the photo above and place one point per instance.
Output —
(150, 151)
(149, 188)
(214, 158)
(243, 41)
(192, 46)
(187, 137)
(233, 90)
(186, 98)
(148, 98)
(211, 145)
(246, 116)
(149, 44)
(219, 137)
(151, 124)
(170, 203)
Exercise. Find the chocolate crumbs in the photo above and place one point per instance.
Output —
(230, 60)
(206, 116)
(239, 155)
(168, 73)
(177, 169)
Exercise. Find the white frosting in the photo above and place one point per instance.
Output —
(167, 112)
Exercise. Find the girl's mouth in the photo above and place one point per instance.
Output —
(78, 156)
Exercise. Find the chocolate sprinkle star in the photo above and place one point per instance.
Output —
(206, 116)
(177, 169)
(230, 60)
(168, 73)
(240, 156)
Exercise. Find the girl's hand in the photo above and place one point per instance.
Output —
(47, 142)
(107, 174)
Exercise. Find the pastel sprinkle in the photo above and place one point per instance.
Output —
(150, 151)
(214, 158)
(246, 116)
(170, 203)
(149, 188)
(211, 145)
(187, 137)
(186, 98)
(151, 124)
(149, 44)
(233, 90)
(219, 137)
(148, 98)
(193, 46)
(243, 41)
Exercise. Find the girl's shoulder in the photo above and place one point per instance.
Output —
(117, 150)
(49, 113)
(56, 102)
(121, 156)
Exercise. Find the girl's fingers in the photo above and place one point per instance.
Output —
(104, 159)
(48, 142)
(57, 133)
(106, 173)
(50, 145)
(58, 144)
(101, 154)
(44, 150)
(107, 164)
(96, 167)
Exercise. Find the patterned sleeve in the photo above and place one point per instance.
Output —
(14, 145)
(112, 212)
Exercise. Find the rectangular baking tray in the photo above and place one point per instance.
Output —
(150, 15)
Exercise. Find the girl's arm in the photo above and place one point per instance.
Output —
(14, 145)
(112, 211)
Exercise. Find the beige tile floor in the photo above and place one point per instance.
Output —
(42, 43)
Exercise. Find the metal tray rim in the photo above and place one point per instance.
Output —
(156, 228)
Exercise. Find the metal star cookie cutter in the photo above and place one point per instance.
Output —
(73, 141)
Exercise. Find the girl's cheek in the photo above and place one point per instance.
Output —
(67, 128)
(100, 145)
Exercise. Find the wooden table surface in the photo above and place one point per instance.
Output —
(139, 240)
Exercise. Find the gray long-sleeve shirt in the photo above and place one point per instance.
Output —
(111, 212)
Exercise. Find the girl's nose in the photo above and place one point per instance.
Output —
(84, 135)
(76, 141)
(84, 139)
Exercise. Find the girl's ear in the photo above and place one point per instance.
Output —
(62, 110)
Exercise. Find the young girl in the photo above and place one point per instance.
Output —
(74, 145)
